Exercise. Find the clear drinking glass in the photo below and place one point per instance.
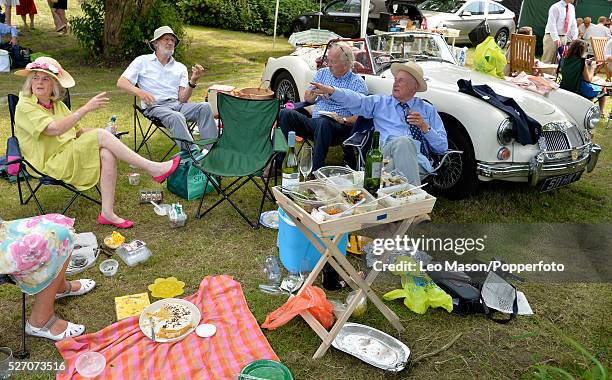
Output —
(305, 161)
(6, 356)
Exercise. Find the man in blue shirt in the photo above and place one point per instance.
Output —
(336, 125)
(7, 29)
(410, 128)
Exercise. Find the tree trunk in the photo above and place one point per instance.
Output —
(117, 13)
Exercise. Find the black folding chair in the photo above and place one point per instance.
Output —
(23, 352)
(155, 124)
(27, 171)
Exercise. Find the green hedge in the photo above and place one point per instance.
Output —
(245, 15)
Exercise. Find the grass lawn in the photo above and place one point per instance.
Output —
(222, 243)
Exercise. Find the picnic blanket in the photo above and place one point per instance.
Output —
(131, 355)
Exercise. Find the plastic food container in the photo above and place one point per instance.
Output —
(147, 196)
(339, 177)
(352, 196)
(321, 194)
(109, 267)
(90, 364)
(335, 210)
(403, 195)
(134, 252)
(176, 216)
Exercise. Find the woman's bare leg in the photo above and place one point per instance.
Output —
(32, 21)
(108, 181)
(123, 153)
(25, 23)
(44, 304)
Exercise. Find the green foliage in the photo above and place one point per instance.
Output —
(245, 15)
(137, 28)
(89, 28)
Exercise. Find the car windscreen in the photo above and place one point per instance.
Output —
(389, 48)
(446, 6)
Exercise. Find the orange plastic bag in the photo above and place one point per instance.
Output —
(312, 299)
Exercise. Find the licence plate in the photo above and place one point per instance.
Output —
(558, 181)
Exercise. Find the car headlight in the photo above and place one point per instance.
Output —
(592, 118)
(504, 132)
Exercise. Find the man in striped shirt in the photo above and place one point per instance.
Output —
(335, 124)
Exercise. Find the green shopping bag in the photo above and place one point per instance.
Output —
(188, 181)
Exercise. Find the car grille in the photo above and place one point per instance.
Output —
(555, 140)
(560, 136)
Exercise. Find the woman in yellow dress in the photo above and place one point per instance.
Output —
(52, 140)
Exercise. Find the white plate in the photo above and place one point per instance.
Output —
(269, 219)
(206, 330)
(145, 325)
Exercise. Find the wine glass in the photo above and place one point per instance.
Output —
(305, 161)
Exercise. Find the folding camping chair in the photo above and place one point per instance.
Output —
(155, 124)
(27, 171)
(361, 141)
(23, 352)
(242, 151)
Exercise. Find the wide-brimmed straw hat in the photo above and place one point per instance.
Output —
(413, 69)
(50, 66)
(159, 32)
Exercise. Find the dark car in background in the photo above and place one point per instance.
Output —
(343, 16)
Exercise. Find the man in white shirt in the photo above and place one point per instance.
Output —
(560, 29)
(164, 89)
(597, 30)
(608, 54)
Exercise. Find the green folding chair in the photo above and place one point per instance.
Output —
(245, 147)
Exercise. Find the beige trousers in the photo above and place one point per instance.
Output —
(549, 55)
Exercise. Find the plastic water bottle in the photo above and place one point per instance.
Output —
(111, 126)
(461, 53)
(272, 270)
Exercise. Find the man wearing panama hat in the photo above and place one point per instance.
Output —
(410, 128)
(164, 88)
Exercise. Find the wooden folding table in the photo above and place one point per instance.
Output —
(330, 232)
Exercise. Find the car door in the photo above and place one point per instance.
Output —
(467, 18)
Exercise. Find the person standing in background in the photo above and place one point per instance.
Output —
(560, 29)
(8, 5)
(58, 8)
(26, 7)
(56, 20)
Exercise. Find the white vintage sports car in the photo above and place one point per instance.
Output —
(480, 130)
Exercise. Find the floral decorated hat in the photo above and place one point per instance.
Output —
(50, 66)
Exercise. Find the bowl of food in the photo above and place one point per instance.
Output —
(336, 210)
(114, 241)
(401, 194)
(313, 194)
(109, 267)
(365, 201)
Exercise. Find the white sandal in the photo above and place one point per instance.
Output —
(45, 332)
(86, 286)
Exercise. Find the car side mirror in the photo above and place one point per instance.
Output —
(466, 14)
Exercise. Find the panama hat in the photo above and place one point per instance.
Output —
(50, 66)
(413, 69)
(159, 32)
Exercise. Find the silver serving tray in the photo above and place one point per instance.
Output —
(372, 346)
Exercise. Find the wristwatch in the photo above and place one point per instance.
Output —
(192, 85)
(344, 121)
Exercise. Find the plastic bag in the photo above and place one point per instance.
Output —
(420, 292)
(489, 58)
(312, 299)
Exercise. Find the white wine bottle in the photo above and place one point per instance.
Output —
(291, 173)
(373, 168)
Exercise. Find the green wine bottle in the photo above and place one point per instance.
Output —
(291, 173)
(373, 166)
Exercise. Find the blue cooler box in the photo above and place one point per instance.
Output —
(293, 246)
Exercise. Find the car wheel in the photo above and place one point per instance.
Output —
(285, 89)
(501, 38)
(298, 26)
(457, 178)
